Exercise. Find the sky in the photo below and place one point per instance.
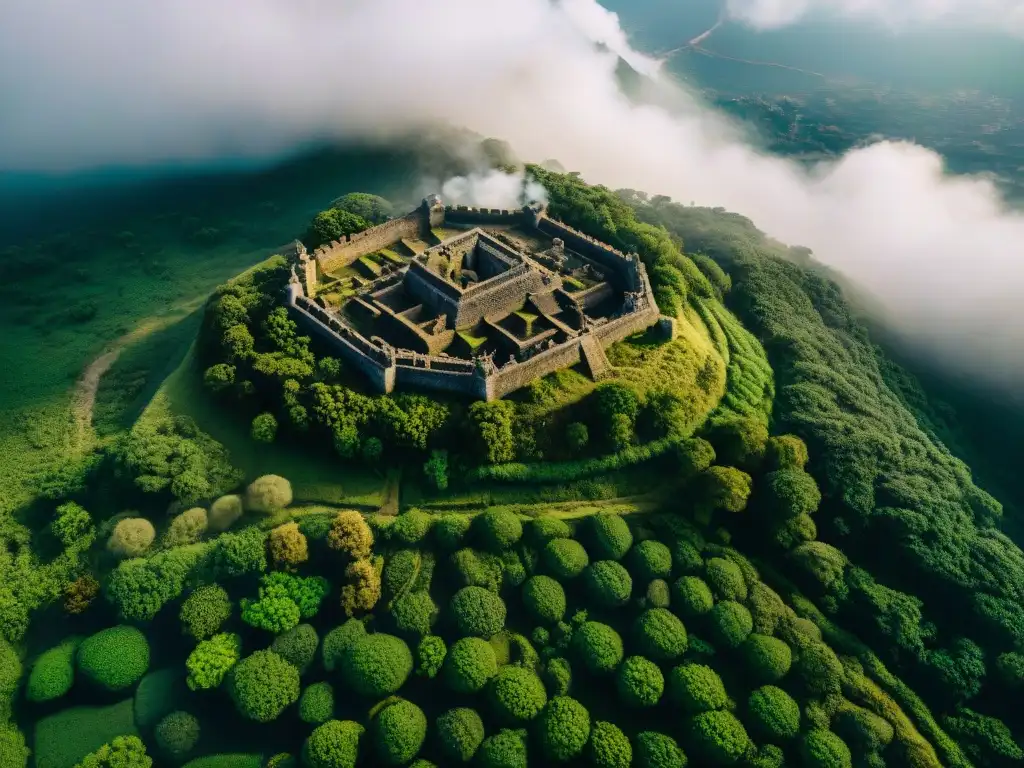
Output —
(84, 85)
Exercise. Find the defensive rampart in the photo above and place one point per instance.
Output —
(462, 215)
(341, 253)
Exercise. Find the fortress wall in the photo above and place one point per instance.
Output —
(467, 384)
(594, 295)
(505, 294)
(341, 253)
(622, 327)
(513, 377)
(432, 290)
(602, 253)
(465, 215)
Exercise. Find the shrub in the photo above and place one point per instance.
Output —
(696, 688)
(790, 493)
(13, 752)
(414, 613)
(10, 677)
(361, 590)
(400, 571)
(435, 469)
(224, 512)
(609, 536)
(598, 646)
(288, 546)
(297, 646)
(577, 436)
(767, 658)
(725, 488)
(478, 569)
(186, 528)
(1010, 669)
(450, 530)
(823, 749)
(316, 705)
(725, 579)
(686, 557)
(497, 529)
(335, 744)
(545, 599)
(731, 623)
(505, 749)
(564, 728)
(773, 713)
(398, 732)
(656, 750)
(658, 594)
(177, 734)
(204, 611)
(478, 612)
(131, 537)
(411, 527)
(819, 669)
(122, 752)
(660, 635)
(517, 694)
(639, 682)
(863, 729)
(72, 525)
(211, 660)
(786, 452)
(564, 558)
(547, 528)
(240, 554)
(694, 456)
(460, 733)
(608, 583)
(350, 535)
(264, 428)
(263, 685)
(609, 747)
(719, 737)
(470, 663)
(692, 596)
(115, 658)
(430, 655)
(376, 665)
(274, 614)
(79, 594)
(650, 560)
(53, 673)
(558, 675)
(338, 640)
(268, 493)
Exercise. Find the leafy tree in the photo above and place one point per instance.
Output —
(773, 713)
(740, 441)
(450, 530)
(240, 554)
(73, 525)
(186, 528)
(649, 560)
(338, 641)
(1010, 668)
(986, 739)
(863, 729)
(790, 493)
(268, 493)
(411, 527)
(786, 452)
(656, 750)
(564, 728)
(132, 537)
(478, 612)
(659, 634)
(504, 749)
(350, 535)
(686, 558)
(718, 736)
(819, 669)
(691, 596)
(658, 595)
(13, 751)
(725, 488)
(122, 752)
(79, 594)
(204, 611)
(435, 470)
(376, 665)
(498, 529)
(609, 536)
(53, 672)
(224, 512)
(693, 456)
(371, 208)
(274, 614)
(264, 428)
(823, 749)
(414, 613)
(335, 744)
(333, 224)
(609, 747)
(361, 590)
(598, 646)
(492, 424)
(115, 658)
(297, 646)
(470, 663)
(577, 436)
(263, 685)
(219, 377)
(544, 598)
(607, 583)
(725, 579)
(288, 546)
(177, 734)
(639, 682)
(767, 659)
(211, 660)
(955, 674)
(731, 623)
(460, 733)
(517, 694)
(398, 732)
(316, 705)
(564, 558)
(696, 688)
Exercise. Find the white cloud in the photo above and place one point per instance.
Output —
(110, 81)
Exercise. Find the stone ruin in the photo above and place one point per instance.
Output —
(511, 285)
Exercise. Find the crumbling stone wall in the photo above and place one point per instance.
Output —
(341, 253)
(499, 295)
(509, 378)
(468, 216)
(613, 259)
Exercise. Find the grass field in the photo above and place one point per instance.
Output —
(63, 739)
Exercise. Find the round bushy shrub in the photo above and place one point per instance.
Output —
(297, 646)
(186, 528)
(288, 546)
(505, 749)
(497, 529)
(53, 673)
(598, 646)
(725, 579)
(204, 611)
(558, 674)
(660, 635)
(731, 623)
(268, 493)
(564, 728)
(13, 752)
(211, 661)
(411, 527)
(131, 537)
(350, 535)
(786, 452)
(460, 731)
(656, 750)
(547, 528)
(450, 531)
(719, 737)
(263, 685)
(650, 560)
(658, 594)
(414, 613)
(177, 734)
(335, 744)
(696, 688)
(691, 596)
(517, 694)
(768, 659)
(478, 612)
(545, 599)
(608, 583)
(773, 713)
(609, 536)
(823, 749)
(865, 730)
(316, 706)
(398, 732)
(338, 640)
(223, 513)
(609, 747)
(564, 558)
(430, 655)
(686, 557)
(791, 492)
(115, 658)
(470, 663)
(376, 665)
(819, 669)
(639, 682)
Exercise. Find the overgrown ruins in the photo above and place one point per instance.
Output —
(473, 301)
